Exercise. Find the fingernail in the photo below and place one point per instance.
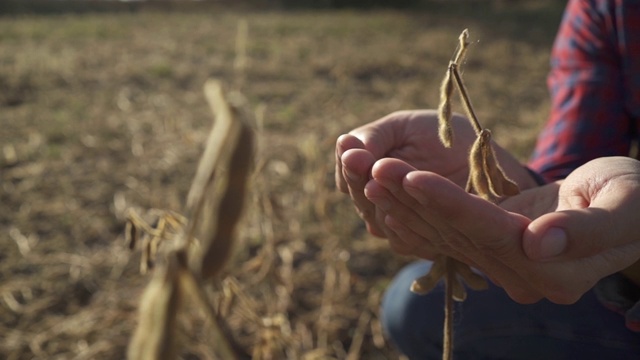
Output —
(339, 145)
(553, 243)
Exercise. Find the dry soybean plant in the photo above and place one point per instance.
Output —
(201, 239)
(486, 179)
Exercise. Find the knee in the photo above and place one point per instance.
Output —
(405, 315)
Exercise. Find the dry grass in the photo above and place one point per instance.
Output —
(103, 112)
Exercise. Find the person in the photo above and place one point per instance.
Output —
(563, 255)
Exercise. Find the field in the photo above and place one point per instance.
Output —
(103, 112)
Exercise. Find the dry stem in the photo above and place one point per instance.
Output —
(486, 179)
(213, 208)
(466, 102)
(450, 279)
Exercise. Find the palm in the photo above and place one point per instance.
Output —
(413, 138)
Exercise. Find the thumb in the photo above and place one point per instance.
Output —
(387, 133)
(344, 143)
(565, 234)
(581, 233)
(598, 207)
(377, 138)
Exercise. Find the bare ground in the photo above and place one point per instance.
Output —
(103, 112)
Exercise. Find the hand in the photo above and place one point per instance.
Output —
(412, 137)
(583, 228)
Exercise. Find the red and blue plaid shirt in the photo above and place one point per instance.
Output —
(595, 111)
(595, 87)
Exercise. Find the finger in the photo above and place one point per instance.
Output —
(515, 285)
(410, 219)
(344, 143)
(390, 205)
(380, 215)
(356, 166)
(486, 235)
(390, 173)
(385, 134)
(397, 244)
(468, 213)
(423, 247)
(368, 213)
(578, 233)
(425, 240)
(423, 252)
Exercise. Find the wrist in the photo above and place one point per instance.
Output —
(633, 273)
(535, 176)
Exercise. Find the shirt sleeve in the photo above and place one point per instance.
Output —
(595, 108)
(590, 94)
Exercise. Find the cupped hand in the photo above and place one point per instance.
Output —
(554, 241)
(410, 136)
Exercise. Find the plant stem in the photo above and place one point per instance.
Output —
(447, 343)
(453, 68)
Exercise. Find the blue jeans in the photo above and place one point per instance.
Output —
(489, 325)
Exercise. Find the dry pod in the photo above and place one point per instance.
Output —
(426, 283)
(445, 131)
(154, 337)
(472, 279)
(478, 178)
(202, 243)
(499, 183)
(486, 178)
(439, 268)
(232, 152)
(230, 207)
(462, 47)
(131, 234)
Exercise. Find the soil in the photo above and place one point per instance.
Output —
(104, 112)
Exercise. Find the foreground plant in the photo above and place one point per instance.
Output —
(486, 179)
(202, 239)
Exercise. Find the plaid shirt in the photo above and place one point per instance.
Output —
(595, 91)
(595, 87)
